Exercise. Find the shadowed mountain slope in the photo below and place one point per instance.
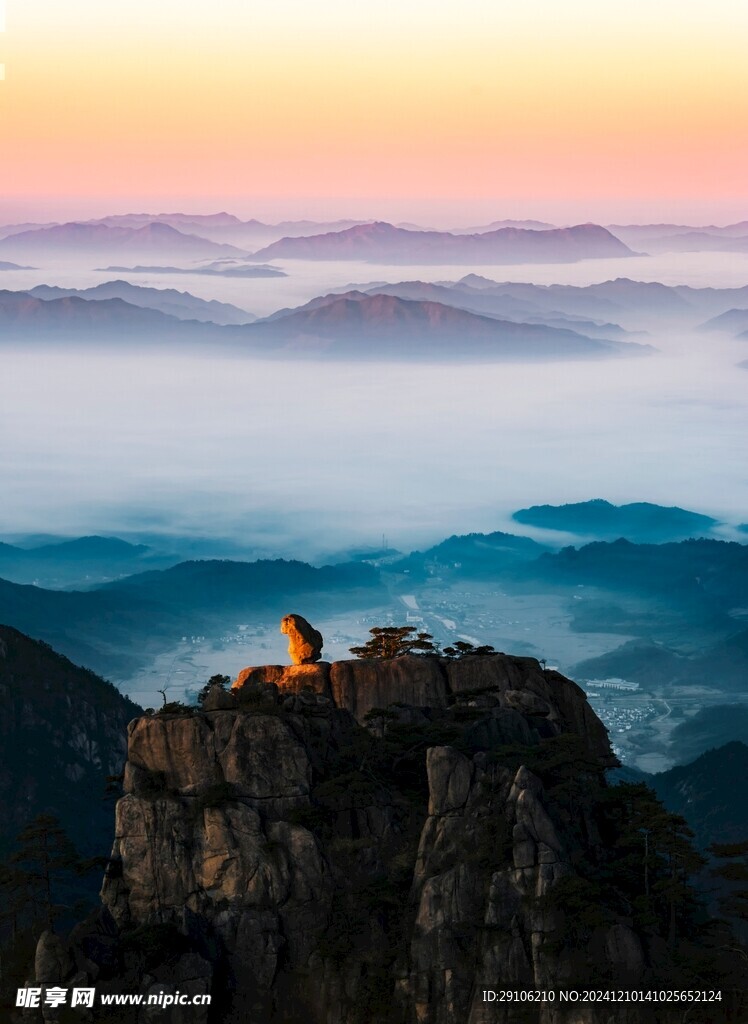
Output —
(62, 732)
(706, 794)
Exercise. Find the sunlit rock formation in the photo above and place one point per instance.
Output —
(304, 641)
(299, 866)
(510, 689)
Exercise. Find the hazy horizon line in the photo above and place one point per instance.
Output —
(441, 214)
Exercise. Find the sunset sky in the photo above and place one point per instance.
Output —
(570, 110)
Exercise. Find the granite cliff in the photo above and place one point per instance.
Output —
(375, 841)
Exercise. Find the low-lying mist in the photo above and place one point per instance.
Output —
(302, 458)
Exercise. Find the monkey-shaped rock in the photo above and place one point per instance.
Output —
(304, 641)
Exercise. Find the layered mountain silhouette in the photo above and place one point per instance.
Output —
(15, 229)
(495, 225)
(384, 243)
(119, 626)
(724, 663)
(107, 632)
(218, 227)
(639, 521)
(26, 317)
(358, 325)
(701, 570)
(497, 303)
(154, 239)
(679, 237)
(610, 303)
(608, 298)
(472, 556)
(225, 227)
(349, 326)
(82, 561)
(674, 238)
(699, 241)
(734, 321)
(182, 305)
(219, 584)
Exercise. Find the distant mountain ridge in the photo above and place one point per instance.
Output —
(660, 238)
(709, 576)
(225, 227)
(96, 239)
(182, 305)
(471, 555)
(25, 316)
(349, 326)
(361, 325)
(733, 320)
(654, 665)
(638, 521)
(218, 227)
(622, 300)
(382, 242)
(494, 225)
(216, 584)
(78, 562)
(117, 626)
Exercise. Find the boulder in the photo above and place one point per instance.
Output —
(304, 641)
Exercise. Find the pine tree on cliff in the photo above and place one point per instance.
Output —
(462, 648)
(14, 898)
(394, 641)
(220, 681)
(653, 858)
(45, 856)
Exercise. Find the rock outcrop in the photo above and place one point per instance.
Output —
(301, 867)
(288, 678)
(304, 641)
(545, 702)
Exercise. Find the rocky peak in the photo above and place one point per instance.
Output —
(543, 702)
(299, 865)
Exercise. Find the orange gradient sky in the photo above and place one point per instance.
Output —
(568, 109)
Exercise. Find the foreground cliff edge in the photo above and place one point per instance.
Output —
(384, 840)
